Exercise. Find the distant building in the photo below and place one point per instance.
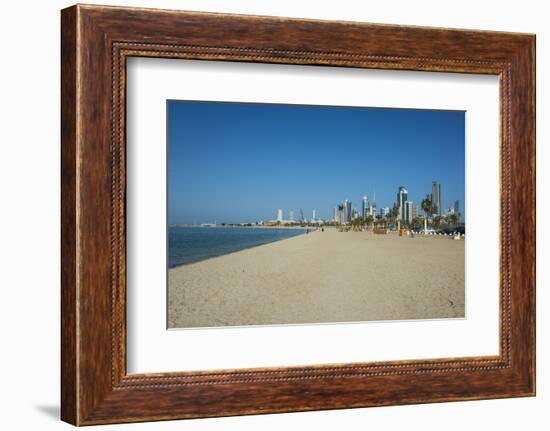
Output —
(453, 209)
(402, 197)
(436, 198)
(291, 216)
(341, 213)
(414, 211)
(384, 212)
(373, 205)
(408, 211)
(279, 220)
(335, 214)
(347, 210)
(364, 207)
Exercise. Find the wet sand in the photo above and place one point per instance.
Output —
(322, 277)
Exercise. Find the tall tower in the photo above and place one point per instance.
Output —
(364, 206)
(408, 213)
(372, 205)
(291, 215)
(347, 209)
(436, 198)
(402, 197)
(280, 215)
(341, 213)
(313, 214)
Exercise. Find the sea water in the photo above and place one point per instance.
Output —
(192, 244)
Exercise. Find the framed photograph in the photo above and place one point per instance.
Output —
(264, 214)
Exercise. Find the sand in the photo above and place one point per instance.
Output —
(322, 277)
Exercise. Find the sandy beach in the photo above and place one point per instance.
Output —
(322, 277)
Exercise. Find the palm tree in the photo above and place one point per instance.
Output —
(427, 207)
(416, 223)
(394, 213)
(369, 219)
(453, 219)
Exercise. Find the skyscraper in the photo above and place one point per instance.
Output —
(408, 213)
(414, 211)
(313, 214)
(436, 198)
(457, 207)
(291, 216)
(347, 210)
(402, 197)
(365, 205)
(341, 213)
(280, 215)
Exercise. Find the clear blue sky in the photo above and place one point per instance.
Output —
(240, 162)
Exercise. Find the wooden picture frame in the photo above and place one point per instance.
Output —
(95, 43)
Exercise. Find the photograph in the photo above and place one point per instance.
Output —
(285, 214)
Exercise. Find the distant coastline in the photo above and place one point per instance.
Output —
(221, 254)
(194, 243)
(239, 225)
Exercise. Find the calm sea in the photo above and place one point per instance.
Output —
(191, 244)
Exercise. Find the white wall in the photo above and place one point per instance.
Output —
(29, 215)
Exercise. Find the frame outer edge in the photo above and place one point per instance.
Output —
(533, 54)
(69, 201)
(523, 218)
(532, 101)
(530, 62)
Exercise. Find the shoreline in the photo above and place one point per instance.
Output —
(329, 277)
(236, 251)
(176, 226)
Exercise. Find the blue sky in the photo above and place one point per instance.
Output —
(240, 162)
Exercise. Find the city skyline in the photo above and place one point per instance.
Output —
(233, 162)
(345, 210)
